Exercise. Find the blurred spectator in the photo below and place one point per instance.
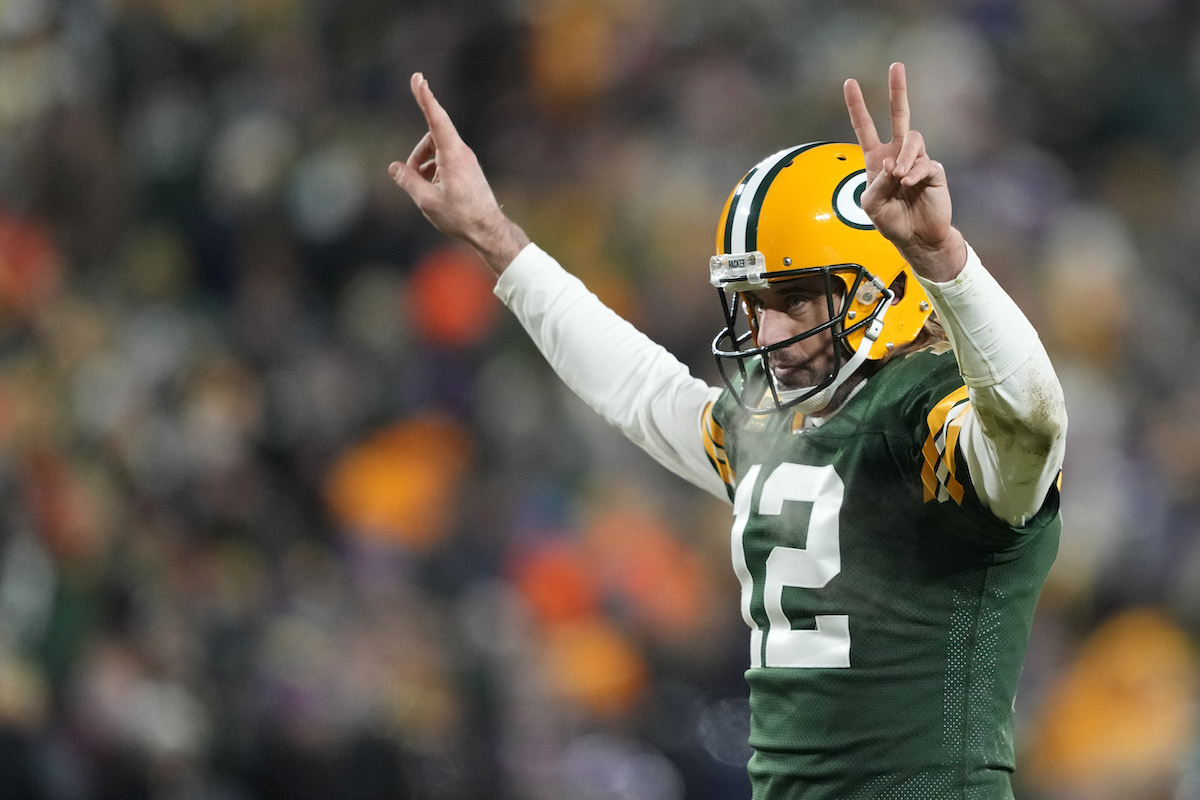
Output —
(1121, 722)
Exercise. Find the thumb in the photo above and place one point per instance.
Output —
(408, 180)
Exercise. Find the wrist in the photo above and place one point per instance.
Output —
(940, 262)
(498, 242)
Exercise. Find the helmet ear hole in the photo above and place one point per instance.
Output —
(898, 287)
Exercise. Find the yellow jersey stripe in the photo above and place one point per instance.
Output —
(714, 445)
(953, 429)
(939, 472)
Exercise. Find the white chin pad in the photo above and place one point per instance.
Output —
(811, 405)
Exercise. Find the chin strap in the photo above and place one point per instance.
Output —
(821, 399)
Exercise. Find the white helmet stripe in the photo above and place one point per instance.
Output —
(741, 226)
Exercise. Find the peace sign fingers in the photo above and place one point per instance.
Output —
(864, 126)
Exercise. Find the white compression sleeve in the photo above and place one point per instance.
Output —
(632, 382)
(1014, 435)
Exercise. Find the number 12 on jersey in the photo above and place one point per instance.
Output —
(810, 567)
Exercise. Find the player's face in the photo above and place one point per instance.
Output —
(789, 309)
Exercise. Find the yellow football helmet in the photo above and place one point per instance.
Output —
(799, 213)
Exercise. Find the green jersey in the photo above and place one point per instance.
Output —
(889, 609)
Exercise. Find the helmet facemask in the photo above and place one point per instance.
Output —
(736, 347)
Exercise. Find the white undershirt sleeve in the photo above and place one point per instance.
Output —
(632, 382)
(1014, 434)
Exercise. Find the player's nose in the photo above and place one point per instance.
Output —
(774, 326)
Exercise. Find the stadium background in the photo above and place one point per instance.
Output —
(291, 509)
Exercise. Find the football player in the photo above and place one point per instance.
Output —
(889, 435)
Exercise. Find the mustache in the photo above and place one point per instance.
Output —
(789, 372)
(780, 359)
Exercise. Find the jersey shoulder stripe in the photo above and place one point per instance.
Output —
(939, 473)
(714, 446)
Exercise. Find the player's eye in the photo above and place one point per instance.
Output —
(796, 300)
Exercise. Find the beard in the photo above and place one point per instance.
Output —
(792, 372)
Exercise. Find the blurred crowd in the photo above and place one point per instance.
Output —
(292, 509)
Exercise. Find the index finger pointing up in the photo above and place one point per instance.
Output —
(440, 125)
(898, 101)
(860, 117)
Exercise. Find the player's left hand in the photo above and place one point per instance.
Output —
(907, 196)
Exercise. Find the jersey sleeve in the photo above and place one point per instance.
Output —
(715, 447)
(632, 382)
(1009, 422)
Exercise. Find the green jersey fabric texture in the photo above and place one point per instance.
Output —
(889, 610)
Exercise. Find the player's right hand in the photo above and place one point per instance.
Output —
(443, 177)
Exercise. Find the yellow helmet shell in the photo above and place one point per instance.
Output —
(799, 211)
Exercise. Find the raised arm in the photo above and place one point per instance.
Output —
(444, 179)
(629, 380)
(1013, 437)
(906, 197)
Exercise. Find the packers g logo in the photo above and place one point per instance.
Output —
(847, 201)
